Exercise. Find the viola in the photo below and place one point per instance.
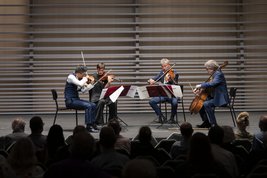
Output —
(202, 94)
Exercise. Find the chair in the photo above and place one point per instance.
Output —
(232, 96)
(165, 144)
(55, 96)
(180, 101)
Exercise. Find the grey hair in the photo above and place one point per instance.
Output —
(164, 61)
(211, 64)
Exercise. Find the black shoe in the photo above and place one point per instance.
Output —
(95, 127)
(172, 120)
(204, 125)
(91, 129)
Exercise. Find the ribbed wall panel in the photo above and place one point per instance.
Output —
(41, 42)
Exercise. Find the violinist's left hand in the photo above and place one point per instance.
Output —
(167, 77)
(110, 78)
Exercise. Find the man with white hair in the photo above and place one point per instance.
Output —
(217, 93)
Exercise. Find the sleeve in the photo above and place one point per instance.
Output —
(158, 76)
(74, 80)
(86, 88)
(218, 79)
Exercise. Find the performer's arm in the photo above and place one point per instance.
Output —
(74, 80)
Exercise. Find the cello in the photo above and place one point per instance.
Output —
(199, 99)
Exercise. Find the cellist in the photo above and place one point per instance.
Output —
(216, 89)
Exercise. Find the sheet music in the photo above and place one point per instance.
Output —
(142, 92)
(177, 91)
(132, 91)
(103, 92)
(114, 96)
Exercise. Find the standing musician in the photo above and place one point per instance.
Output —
(80, 81)
(217, 92)
(104, 81)
(165, 76)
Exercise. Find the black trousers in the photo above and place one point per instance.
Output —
(100, 108)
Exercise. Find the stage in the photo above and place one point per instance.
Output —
(134, 122)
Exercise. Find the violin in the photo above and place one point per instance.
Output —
(106, 76)
(170, 75)
(90, 79)
(202, 94)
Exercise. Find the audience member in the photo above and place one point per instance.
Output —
(18, 127)
(55, 140)
(77, 129)
(38, 139)
(77, 165)
(200, 160)
(180, 147)
(242, 122)
(257, 143)
(109, 160)
(139, 168)
(122, 143)
(221, 155)
(21, 161)
(143, 145)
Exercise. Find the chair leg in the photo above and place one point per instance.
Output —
(183, 110)
(166, 112)
(76, 116)
(106, 114)
(55, 117)
(232, 115)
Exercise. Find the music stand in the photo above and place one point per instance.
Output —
(114, 92)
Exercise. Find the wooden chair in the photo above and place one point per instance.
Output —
(55, 97)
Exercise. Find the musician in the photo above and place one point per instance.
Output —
(104, 81)
(78, 82)
(217, 93)
(164, 77)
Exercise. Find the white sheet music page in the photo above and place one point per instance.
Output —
(132, 91)
(114, 96)
(142, 92)
(103, 92)
(177, 91)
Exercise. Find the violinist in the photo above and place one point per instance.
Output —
(165, 76)
(217, 93)
(78, 81)
(104, 81)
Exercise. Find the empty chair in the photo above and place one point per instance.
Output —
(55, 97)
(165, 144)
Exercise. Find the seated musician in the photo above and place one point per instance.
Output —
(79, 81)
(165, 76)
(216, 88)
(103, 80)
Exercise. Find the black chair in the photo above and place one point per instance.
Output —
(232, 96)
(165, 144)
(55, 96)
(180, 101)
